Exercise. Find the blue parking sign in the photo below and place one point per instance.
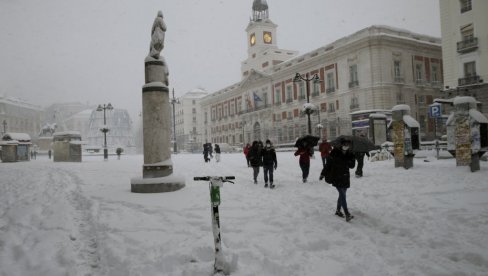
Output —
(435, 111)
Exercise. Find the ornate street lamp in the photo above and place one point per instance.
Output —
(105, 128)
(308, 109)
(174, 101)
(4, 126)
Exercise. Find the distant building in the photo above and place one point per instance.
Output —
(79, 122)
(189, 121)
(375, 68)
(19, 116)
(464, 26)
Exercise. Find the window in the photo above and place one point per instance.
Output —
(301, 87)
(331, 108)
(289, 94)
(265, 98)
(353, 75)
(421, 100)
(470, 69)
(277, 96)
(290, 116)
(316, 88)
(418, 73)
(467, 32)
(330, 82)
(354, 103)
(435, 73)
(193, 102)
(465, 5)
(396, 68)
(193, 110)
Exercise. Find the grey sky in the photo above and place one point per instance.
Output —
(93, 50)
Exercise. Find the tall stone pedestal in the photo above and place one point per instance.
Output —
(157, 171)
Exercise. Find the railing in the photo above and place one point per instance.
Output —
(301, 97)
(420, 82)
(467, 45)
(436, 84)
(315, 94)
(399, 79)
(330, 90)
(289, 100)
(249, 110)
(469, 80)
(353, 84)
(354, 106)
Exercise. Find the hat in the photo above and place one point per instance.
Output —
(345, 141)
(268, 141)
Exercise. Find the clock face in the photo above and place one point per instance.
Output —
(267, 37)
(253, 39)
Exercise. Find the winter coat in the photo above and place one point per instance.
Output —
(217, 149)
(325, 149)
(269, 157)
(255, 156)
(305, 154)
(246, 150)
(341, 162)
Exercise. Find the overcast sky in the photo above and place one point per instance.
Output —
(93, 50)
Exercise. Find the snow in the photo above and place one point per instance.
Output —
(410, 121)
(478, 116)
(22, 137)
(401, 107)
(81, 219)
(377, 115)
(67, 133)
(308, 106)
(153, 84)
(463, 100)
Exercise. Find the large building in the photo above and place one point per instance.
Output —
(373, 69)
(19, 116)
(189, 128)
(464, 29)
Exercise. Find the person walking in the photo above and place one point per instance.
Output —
(217, 153)
(245, 150)
(305, 152)
(324, 149)
(255, 159)
(359, 156)
(205, 153)
(270, 163)
(341, 159)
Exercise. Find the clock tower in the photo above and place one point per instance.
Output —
(262, 47)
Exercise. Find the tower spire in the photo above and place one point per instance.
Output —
(259, 10)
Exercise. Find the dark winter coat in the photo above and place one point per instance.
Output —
(269, 157)
(341, 162)
(305, 154)
(217, 149)
(255, 156)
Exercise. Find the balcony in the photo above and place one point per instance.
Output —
(354, 107)
(469, 80)
(436, 84)
(467, 45)
(399, 79)
(315, 94)
(289, 100)
(330, 90)
(353, 84)
(277, 103)
(420, 82)
(301, 97)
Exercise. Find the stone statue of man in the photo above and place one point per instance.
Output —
(157, 36)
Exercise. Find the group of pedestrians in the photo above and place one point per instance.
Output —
(337, 160)
(208, 152)
(259, 155)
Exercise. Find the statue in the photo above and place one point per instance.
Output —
(157, 36)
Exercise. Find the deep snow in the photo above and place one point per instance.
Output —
(82, 219)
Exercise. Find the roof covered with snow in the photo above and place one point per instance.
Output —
(463, 100)
(478, 116)
(410, 121)
(67, 133)
(21, 137)
(401, 107)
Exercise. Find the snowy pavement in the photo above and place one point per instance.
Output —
(82, 219)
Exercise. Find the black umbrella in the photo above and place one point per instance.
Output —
(359, 144)
(307, 141)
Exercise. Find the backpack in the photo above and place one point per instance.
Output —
(327, 173)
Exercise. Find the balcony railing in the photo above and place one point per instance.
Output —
(469, 80)
(353, 84)
(467, 45)
(420, 82)
(399, 79)
(277, 103)
(301, 97)
(289, 100)
(257, 108)
(436, 84)
(315, 94)
(330, 90)
(353, 106)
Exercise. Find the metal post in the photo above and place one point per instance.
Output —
(4, 126)
(308, 101)
(105, 150)
(173, 102)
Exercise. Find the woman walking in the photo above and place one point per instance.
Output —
(341, 159)
(305, 153)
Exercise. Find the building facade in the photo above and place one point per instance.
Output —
(464, 29)
(373, 69)
(188, 121)
(19, 116)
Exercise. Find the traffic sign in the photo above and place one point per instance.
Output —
(435, 110)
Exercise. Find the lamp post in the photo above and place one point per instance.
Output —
(4, 126)
(174, 101)
(315, 78)
(105, 129)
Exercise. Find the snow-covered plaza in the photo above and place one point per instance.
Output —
(82, 219)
